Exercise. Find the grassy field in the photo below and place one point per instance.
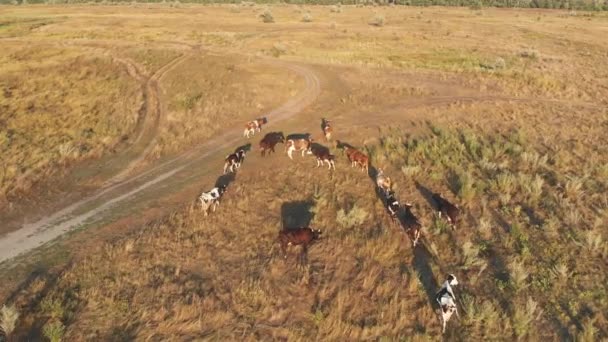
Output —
(59, 106)
(503, 111)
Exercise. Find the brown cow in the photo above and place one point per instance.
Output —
(447, 209)
(252, 126)
(357, 157)
(323, 156)
(270, 140)
(411, 224)
(303, 236)
(298, 142)
(327, 129)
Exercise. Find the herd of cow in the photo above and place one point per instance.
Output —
(304, 236)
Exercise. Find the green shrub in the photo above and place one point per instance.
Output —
(54, 331)
(266, 16)
(377, 20)
(307, 17)
(524, 317)
(8, 319)
(356, 216)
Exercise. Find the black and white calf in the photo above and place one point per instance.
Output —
(392, 205)
(211, 198)
(234, 161)
(447, 301)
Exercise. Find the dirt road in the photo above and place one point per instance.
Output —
(124, 190)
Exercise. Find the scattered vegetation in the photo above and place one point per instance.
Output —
(307, 17)
(377, 20)
(266, 16)
(509, 266)
(530, 248)
(8, 320)
(58, 107)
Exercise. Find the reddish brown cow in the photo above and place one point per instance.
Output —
(447, 209)
(357, 157)
(270, 140)
(411, 224)
(323, 156)
(303, 236)
(252, 126)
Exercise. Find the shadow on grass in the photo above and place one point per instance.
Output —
(225, 180)
(422, 265)
(296, 214)
(246, 148)
(427, 194)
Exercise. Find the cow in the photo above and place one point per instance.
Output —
(298, 143)
(233, 161)
(211, 198)
(252, 126)
(383, 182)
(411, 224)
(356, 157)
(269, 141)
(447, 209)
(447, 301)
(327, 129)
(323, 156)
(303, 236)
(392, 205)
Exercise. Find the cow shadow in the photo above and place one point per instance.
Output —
(246, 148)
(372, 173)
(296, 214)
(427, 194)
(296, 136)
(424, 272)
(225, 180)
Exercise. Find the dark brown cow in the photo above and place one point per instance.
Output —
(298, 142)
(303, 236)
(323, 156)
(357, 157)
(411, 224)
(327, 129)
(447, 209)
(270, 140)
(252, 126)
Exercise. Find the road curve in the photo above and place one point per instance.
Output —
(100, 205)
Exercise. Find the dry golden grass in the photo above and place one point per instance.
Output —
(508, 121)
(206, 94)
(223, 277)
(59, 105)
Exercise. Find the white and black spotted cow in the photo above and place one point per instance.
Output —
(233, 161)
(392, 205)
(211, 198)
(447, 301)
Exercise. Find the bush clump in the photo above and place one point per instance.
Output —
(377, 20)
(307, 17)
(267, 16)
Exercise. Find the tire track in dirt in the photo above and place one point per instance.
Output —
(153, 104)
(92, 209)
(150, 111)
